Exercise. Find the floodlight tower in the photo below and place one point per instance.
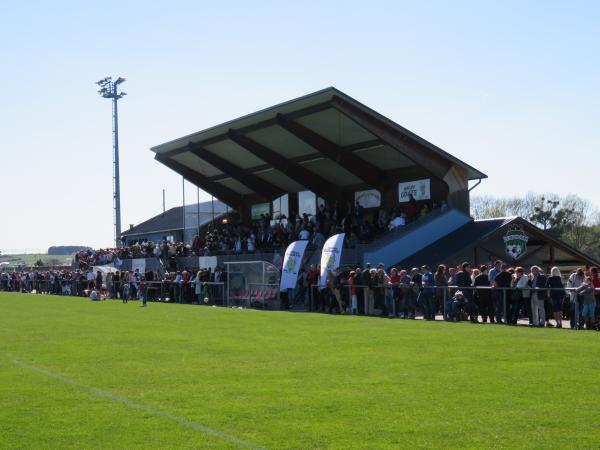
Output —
(109, 89)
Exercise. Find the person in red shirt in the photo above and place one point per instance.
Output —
(410, 209)
(353, 297)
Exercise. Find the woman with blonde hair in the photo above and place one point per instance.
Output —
(557, 294)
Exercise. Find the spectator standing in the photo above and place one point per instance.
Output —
(575, 281)
(416, 283)
(484, 295)
(502, 281)
(395, 291)
(426, 296)
(463, 281)
(367, 289)
(586, 293)
(596, 283)
(520, 285)
(538, 293)
(441, 289)
(557, 294)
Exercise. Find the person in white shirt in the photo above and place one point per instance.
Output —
(398, 221)
(304, 234)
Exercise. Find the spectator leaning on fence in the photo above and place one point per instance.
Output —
(587, 297)
(484, 295)
(537, 281)
(575, 280)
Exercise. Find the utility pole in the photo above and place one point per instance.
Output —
(109, 89)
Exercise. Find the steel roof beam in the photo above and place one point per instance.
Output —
(223, 193)
(357, 166)
(253, 127)
(248, 179)
(295, 171)
(418, 153)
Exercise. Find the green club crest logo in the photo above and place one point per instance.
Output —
(291, 264)
(515, 241)
(330, 262)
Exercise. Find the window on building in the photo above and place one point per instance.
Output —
(307, 203)
(280, 207)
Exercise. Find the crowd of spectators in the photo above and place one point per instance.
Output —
(269, 234)
(185, 286)
(490, 293)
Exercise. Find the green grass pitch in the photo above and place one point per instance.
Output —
(80, 374)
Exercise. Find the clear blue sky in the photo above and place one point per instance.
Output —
(512, 88)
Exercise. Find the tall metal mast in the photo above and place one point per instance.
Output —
(109, 89)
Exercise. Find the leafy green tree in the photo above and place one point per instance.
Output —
(544, 212)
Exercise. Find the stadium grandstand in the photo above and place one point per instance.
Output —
(328, 161)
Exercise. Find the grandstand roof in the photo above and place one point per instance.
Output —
(172, 219)
(320, 142)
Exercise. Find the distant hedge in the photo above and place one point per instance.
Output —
(65, 249)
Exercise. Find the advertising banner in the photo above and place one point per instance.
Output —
(138, 263)
(368, 199)
(204, 262)
(292, 261)
(420, 190)
(331, 256)
(260, 208)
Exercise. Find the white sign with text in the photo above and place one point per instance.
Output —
(419, 189)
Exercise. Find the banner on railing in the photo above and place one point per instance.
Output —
(292, 261)
(138, 263)
(205, 262)
(331, 256)
(107, 268)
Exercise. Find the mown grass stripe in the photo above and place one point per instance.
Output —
(139, 406)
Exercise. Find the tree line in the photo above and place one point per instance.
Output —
(570, 218)
(66, 249)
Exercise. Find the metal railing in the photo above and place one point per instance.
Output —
(503, 305)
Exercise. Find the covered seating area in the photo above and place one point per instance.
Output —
(322, 148)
